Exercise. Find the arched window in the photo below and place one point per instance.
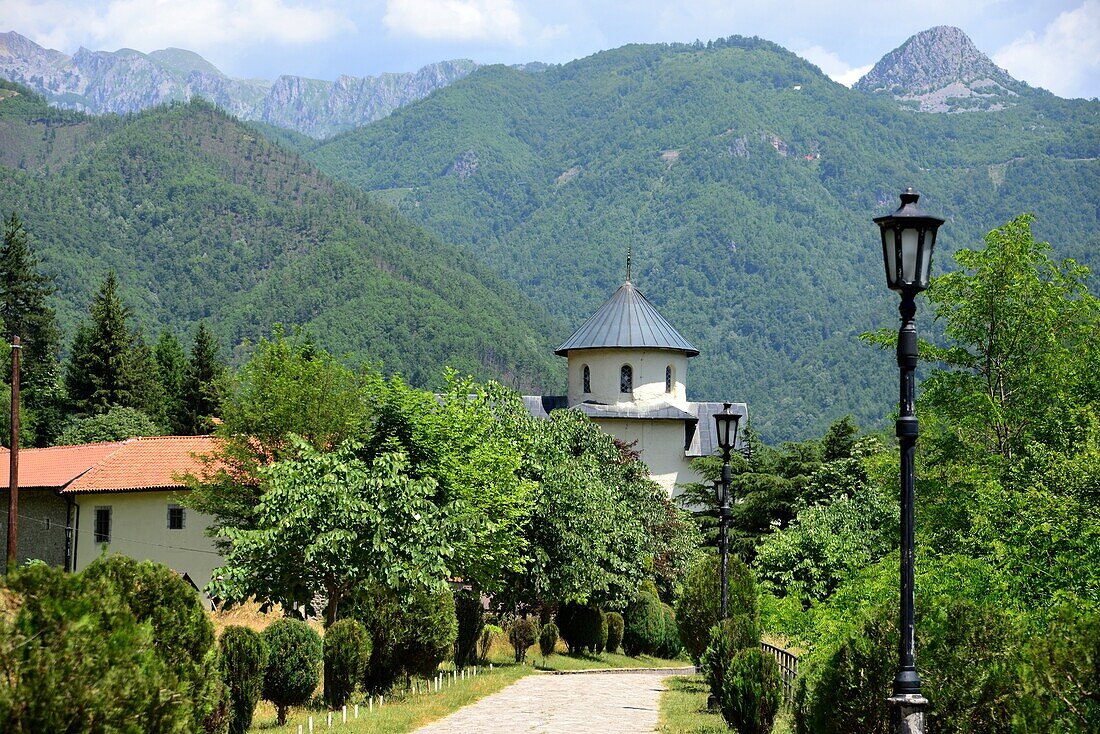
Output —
(587, 380)
(626, 379)
(668, 379)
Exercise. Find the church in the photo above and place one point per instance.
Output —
(628, 373)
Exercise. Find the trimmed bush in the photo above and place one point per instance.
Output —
(580, 626)
(243, 661)
(643, 625)
(410, 634)
(614, 631)
(548, 639)
(670, 637)
(294, 655)
(601, 640)
(522, 633)
(751, 692)
(182, 633)
(74, 658)
(489, 634)
(700, 603)
(471, 619)
(346, 652)
(728, 638)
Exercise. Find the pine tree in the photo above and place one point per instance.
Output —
(105, 363)
(203, 385)
(171, 370)
(23, 312)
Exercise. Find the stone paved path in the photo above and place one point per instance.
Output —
(604, 703)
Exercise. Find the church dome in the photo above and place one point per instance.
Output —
(627, 321)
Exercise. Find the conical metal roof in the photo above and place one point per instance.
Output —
(627, 321)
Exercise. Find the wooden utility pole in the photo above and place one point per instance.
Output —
(13, 474)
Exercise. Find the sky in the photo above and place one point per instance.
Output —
(1054, 44)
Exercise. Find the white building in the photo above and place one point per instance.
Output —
(628, 372)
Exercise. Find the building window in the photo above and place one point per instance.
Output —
(587, 380)
(102, 531)
(175, 517)
(626, 379)
(668, 378)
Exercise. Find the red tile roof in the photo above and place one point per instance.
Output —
(56, 466)
(145, 463)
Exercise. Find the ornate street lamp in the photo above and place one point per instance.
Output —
(908, 237)
(726, 423)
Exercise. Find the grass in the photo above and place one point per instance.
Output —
(586, 661)
(401, 711)
(684, 709)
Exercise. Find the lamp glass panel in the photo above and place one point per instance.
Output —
(890, 253)
(926, 256)
(909, 241)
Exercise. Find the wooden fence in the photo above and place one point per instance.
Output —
(788, 668)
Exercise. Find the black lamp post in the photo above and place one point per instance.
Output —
(908, 237)
(726, 423)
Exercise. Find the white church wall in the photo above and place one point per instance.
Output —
(660, 444)
(648, 366)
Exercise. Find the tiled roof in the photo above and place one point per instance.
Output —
(705, 440)
(627, 320)
(56, 466)
(150, 462)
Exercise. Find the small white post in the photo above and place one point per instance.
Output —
(310, 725)
(357, 711)
(329, 720)
(379, 700)
(490, 667)
(345, 713)
(299, 729)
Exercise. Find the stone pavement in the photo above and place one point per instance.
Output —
(605, 703)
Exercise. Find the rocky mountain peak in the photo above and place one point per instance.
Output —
(942, 71)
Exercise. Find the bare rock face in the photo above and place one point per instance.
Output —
(940, 70)
(128, 81)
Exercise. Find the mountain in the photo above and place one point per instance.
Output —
(745, 181)
(203, 218)
(128, 81)
(941, 70)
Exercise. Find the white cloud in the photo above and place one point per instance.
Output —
(456, 20)
(833, 67)
(1065, 58)
(151, 24)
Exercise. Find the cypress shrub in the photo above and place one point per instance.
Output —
(522, 633)
(601, 639)
(548, 639)
(470, 616)
(243, 660)
(80, 661)
(411, 633)
(294, 655)
(580, 626)
(614, 631)
(751, 692)
(728, 638)
(670, 634)
(182, 633)
(346, 652)
(1062, 667)
(700, 603)
(643, 625)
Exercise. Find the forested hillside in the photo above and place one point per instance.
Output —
(745, 180)
(203, 218)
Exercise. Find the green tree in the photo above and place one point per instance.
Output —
(171, 365)
(329, 522)
(202, 387)
(25, 313)
(294, 657)
(109, 364)
(116, 424)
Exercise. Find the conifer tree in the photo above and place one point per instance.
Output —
(109, 365)
(23, 312)
(171, 368)
(203, 385)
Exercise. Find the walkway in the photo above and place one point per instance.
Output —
(607, 703)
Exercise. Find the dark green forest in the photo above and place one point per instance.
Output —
(203, 218)
(744, 180)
